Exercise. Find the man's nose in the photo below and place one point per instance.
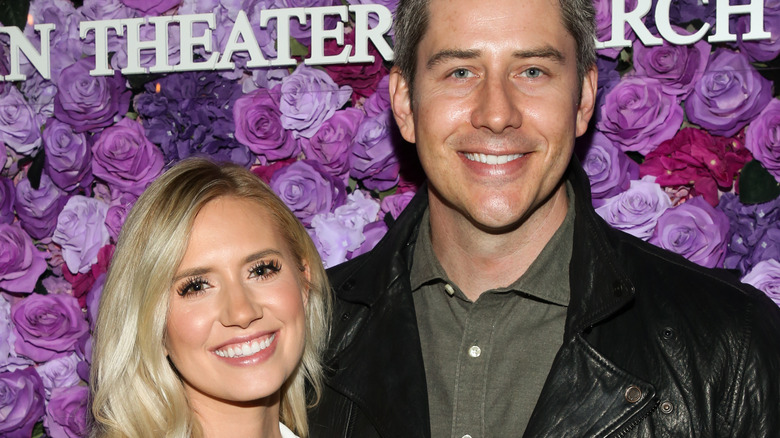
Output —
(496, 107)
(238, 306)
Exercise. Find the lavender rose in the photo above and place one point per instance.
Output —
(259, 125)
(309, 98)
(308, 189)
(68, 156)
(767, 246)
(762, 138)
(373, 160)
(47, 326)
(638, 115)
(7, 198)
(21, 402)
(636, 210)
(81, 232)
(66, 413)
(610, 170)
(89, 103)
(676, 67)
(394, 204)
(125, 158)
(38, 209)
(378, 102)
(372, 234)
(763, 49)
(695, 230)
(20, 125)
(729, 95)
(59, 373)
(117, 213)
(337, 234)
(20, 261)
(765, 276)
(331, 144)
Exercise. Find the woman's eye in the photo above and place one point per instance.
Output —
(193, 286)
(265, 269)
(461, 73)
(533, 73)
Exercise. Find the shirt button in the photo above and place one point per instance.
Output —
(475, 351)
(449, 289)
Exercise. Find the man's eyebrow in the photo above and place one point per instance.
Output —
(448, 54)
(542, 52)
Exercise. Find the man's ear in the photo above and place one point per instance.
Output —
(401, 101)
(587, 100)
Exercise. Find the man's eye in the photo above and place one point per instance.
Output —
(461, 73)
(533, 73)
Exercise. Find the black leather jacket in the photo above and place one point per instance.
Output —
(654, 346)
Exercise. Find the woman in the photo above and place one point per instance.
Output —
(213, 314)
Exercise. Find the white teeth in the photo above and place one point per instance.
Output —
(246, 349)
(492, 159)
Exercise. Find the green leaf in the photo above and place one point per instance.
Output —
(14, 12)
(38, 431)
(756, 185)
(298, 49)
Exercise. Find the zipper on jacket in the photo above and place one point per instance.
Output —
(638, 420)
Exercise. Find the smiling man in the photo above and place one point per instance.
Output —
(500, 304)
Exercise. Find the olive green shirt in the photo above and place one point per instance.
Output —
(486, 361)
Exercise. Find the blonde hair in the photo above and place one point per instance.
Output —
(135, 391)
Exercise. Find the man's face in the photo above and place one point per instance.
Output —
(496, 107)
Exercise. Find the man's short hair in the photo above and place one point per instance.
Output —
(411, 22)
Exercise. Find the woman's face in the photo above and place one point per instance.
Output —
(236, 324)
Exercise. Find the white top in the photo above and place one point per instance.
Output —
(286, 432)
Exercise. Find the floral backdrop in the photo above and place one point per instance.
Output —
(684, 152)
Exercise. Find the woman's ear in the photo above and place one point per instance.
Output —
(306, 286)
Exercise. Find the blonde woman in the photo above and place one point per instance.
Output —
(213, 315)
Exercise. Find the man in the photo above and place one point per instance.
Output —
(500, 304)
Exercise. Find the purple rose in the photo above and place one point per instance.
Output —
(81, 232)
(47, 326)
(695, 230)
(610, 170)
(372, 233)
(152, 7)
(729, 95)
(66, 414)
(59, 373)
(309, 98)
(20, 125)
(676, 67)
(638, 115)
(20, 261)
(93, 300)
(378, 102)
(89, 103)
(302, 32)
(337, 234)
(763, 49)
(7, 198)
(84, 352)
(38, 209)
(762, 138)
(125, 158)
(147, 57)
(331, 144)
(259, 125)
(68, 156)
(117, 212)
(65, 44)
(21, 402)
(308, 189)
(636, 210)
(748, 224)
(765, 276)
(396, 203)
(682, 12)
(373, 160)
(40, 92)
